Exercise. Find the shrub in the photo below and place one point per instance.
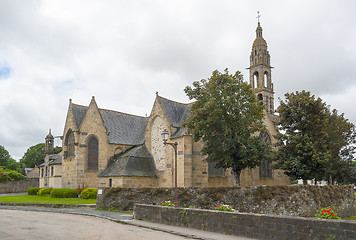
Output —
(64, 193)
(89, 193)
(327, 213)
(44, 191)
(10, 175)
(33, 190)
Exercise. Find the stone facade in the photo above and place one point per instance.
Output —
(105, 148)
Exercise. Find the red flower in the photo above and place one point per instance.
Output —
(332, 214)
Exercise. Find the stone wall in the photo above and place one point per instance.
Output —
(302, 201)
(18, 186)
(257, 226)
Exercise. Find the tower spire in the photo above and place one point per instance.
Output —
(260, 70)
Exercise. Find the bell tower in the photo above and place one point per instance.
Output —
(260, 71)
(49, 146)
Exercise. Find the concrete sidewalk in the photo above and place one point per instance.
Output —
(127, 218)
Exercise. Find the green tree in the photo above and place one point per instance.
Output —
(341, 144)
(226, 117)
(304, 150)
(34, 156)
(6, 160)
(4, 156)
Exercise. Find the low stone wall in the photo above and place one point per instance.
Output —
(258, 226)
(18, 186)
(302, 201)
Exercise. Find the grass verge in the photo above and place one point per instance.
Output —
(46, 199)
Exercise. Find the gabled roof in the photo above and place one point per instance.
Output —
(122, 128)
(137, 161)
(176, 112)
(79, 113)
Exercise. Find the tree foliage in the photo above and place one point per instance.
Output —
(316, 143)
(226, 117)
(34, 156)
(7, 161)
(341, 144)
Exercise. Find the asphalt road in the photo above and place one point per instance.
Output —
(17, 224)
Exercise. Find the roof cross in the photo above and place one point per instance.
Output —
(258, 16)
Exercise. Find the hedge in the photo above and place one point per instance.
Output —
(63, 193)
(33, 190)
(44, 191)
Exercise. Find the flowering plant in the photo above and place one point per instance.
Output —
(167, 203)
(79, 191)
(223, 207)
(327, 213)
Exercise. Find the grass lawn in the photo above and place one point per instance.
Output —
(46, 199)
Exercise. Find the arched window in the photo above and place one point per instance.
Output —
(69, 142)
(93, 153)
(255, 80)
(265, 165)
(265, 79)
(260, 99)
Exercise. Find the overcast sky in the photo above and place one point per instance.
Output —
(122, 52)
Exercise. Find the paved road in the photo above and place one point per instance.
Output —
(17, 224)
(34, 222)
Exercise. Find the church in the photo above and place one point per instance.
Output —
(106, 148)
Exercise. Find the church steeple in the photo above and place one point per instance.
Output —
(260, 71)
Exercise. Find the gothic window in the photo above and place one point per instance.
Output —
(214, 171)
(93, 154)
(42, 170)
(265, 165)
(265, 79)
(69, 142)
(52, 170)
(46, 171)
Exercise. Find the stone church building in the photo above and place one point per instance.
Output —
(106, 148)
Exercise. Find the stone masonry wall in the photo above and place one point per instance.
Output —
(18, 186)
(302, 201)
(257, 226)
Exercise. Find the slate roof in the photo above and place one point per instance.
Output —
(55, 159)
(136, 161)
(122, 128)
(79, 113)
(177, 114)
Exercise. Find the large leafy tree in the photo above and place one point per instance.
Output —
(35, 155)
(226, 117)
(316, 143)
(303, 122)
(4, 157)
(341, 144)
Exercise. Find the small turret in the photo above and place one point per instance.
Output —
(49, 147)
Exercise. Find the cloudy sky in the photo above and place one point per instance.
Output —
(122, 52)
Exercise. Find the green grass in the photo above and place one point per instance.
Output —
(46, 199)
(350, 218)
